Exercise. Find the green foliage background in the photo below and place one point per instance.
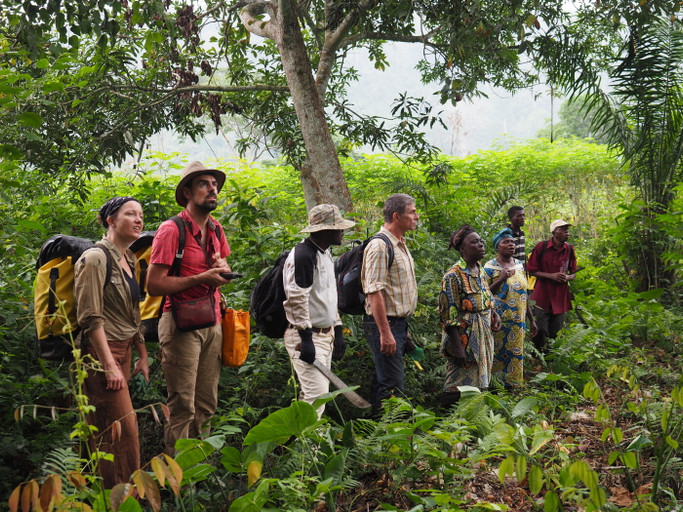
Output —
(262, 210)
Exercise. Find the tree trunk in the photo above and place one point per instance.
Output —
(321, 176)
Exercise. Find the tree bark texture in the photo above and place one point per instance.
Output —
(321, 176)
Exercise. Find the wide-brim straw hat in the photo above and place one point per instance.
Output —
(326, 216)
(192, 170)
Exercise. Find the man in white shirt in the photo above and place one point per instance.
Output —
(315, 330)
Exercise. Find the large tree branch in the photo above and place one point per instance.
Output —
(250, 12)
(387, 36)
(122, 91)
(333, 39)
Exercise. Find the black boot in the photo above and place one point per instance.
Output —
(448, 398)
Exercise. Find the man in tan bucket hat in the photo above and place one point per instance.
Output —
(315, 329)
(191, 357)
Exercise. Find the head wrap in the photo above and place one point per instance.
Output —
(112, 206)
(458, 237)
(501, 235)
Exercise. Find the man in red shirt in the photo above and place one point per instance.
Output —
(553, 262)
(191, 359)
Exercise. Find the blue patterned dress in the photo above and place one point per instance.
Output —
(465, 302)
(510, 302)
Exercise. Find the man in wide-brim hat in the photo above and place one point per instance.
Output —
(315, 329)
(191, 358)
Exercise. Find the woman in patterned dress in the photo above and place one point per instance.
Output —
(507, 281)
(467, 318)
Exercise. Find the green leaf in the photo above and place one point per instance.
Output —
(520, 468)
(230, 459)
(279, 426)
(252, 501)
(651, 294)
(523, 406)
(197, 473)
(27, 224)
(541, 437)
(629, 459)
(193, 451)
(536, 479)
(639, 443)
(617, 435)
(334, 469)
(664, 422)
(677, 395)
(130, 505)
(507, 467)
(30, 119)
(551, 502)
(348, 440)
(468, 392)
(598, 497)
(671, 442)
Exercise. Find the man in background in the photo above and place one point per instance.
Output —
(391, 297)
(516, 215)
(553, 262)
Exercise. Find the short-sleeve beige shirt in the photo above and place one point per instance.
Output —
(397, 283)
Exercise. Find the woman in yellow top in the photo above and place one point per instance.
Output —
(107, 299)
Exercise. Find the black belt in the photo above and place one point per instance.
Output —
(318, 330)
(389, 318)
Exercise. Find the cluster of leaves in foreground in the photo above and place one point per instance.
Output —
(291, 460)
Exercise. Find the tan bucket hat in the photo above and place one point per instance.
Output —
(326, 216)
(190, 172)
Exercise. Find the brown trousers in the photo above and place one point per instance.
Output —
(114, 406)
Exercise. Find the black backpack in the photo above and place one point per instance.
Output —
(266, 301)
(347, 269)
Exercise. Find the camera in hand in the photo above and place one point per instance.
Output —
(230, 275)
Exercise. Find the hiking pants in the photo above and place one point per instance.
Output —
(389, 370)
(313, 383)
(192, 366)
(548, 327)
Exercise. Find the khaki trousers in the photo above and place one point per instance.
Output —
(191, 362)
(312, 382)
(110, 407)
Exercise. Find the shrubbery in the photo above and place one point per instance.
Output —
(416, 455)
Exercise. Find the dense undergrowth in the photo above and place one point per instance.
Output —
(598, 426)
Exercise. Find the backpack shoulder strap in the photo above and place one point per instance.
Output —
(390, 247)
(175, 267)
(572, 254)
(109, 265)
